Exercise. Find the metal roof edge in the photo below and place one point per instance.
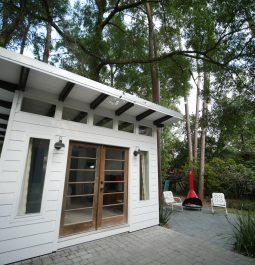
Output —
(82, 81)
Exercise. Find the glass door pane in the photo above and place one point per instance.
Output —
(80, 199)
(113, 187)
(96, 188)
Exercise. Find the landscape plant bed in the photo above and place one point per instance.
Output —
(244, 233)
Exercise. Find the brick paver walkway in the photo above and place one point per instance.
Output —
(154, 246)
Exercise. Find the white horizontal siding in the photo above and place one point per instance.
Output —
(5, 210)
(26, 241)
(32, 235)
(9, 165)
(15, 145)
(9, 175)
(3, 221)
(25, 253)
(26, 230)
(144, 224)
(6, 198)
(7, 187)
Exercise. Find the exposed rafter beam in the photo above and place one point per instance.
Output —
(124, 108)
(4, 117)
(95, 103)
(80, 116)
(158, 122)
(23, 78)
(51, 111)
(2, 133)
(144, 114)
(5, 104)
(3, 126)
(8, 86)
(65, 91)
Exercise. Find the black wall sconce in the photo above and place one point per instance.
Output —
(137, 151)
(58, 145)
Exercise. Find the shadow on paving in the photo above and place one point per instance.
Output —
(204, 225)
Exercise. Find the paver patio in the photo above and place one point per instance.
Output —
(155, 246)
(214, 228)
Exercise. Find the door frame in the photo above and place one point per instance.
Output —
(97, 222)
(118, 219)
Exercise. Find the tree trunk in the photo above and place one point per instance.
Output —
(202, 163)
(187, 117)
(24, 38)
(203, 135)
(197, 117)
(47, 44)
(155, 86)
(153, 54)
(112, 76)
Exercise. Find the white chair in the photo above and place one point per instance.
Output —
(172, 201)
(218, 200)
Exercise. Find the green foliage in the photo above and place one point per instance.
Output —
(167, 143)
(225, 175)
(246, 205)
(175, 76)
(232, 121)
(244, 233)
(164, 214)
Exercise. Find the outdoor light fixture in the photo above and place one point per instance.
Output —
(137, 151)
(58, 145)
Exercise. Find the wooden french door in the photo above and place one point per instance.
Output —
(95, 193)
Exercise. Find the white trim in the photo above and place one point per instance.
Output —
(9, 126)
(16, 217)
(82, 81)
(89, 236)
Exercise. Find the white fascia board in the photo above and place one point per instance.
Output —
(83, 81)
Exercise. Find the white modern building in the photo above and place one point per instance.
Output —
(78, 159)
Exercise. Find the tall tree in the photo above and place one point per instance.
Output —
(198, 85)
(155, 83)
(188, 129)
(11, 15)
(206, 86)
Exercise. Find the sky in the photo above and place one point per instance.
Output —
(191, 100)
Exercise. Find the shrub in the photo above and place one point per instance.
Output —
(242, 205)
(228, 177)
(164, 214)
(244, 233)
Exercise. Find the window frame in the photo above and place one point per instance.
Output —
(103, 116)
(43, 100)
(77, 109)
(147, 126)
(132, 123)
(17, 216)
(147, 176)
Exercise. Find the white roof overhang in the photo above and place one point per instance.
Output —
(19, 72)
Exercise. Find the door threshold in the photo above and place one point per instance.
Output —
(92, 235)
